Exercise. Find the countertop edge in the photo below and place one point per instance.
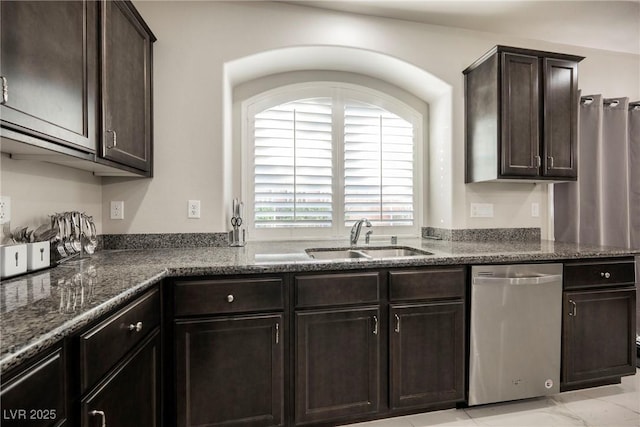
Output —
(51, 338)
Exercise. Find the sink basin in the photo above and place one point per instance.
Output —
(335, 253)
(365, 252)
(394, 252)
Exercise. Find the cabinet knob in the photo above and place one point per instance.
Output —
(605, 274)
(137, 327)
(230, 298)
(101, 415)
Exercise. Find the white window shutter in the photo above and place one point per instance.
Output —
(293, 165)
(378, 166)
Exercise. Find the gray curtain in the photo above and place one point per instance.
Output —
(603, 206)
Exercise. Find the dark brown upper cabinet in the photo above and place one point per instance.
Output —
(126, 87)
(48, 64)
(521, 116)
(76, 85)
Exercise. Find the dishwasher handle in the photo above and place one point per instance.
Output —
(533, 280)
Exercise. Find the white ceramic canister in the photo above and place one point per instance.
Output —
(38, 255)
(13, 260)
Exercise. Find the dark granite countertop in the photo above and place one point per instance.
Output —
(39, 309)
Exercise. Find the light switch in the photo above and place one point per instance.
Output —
(535, 209)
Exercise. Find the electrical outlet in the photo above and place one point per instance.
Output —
(117, 209)
(193, 209)
(5, 209)
(535, 209)
(481, 210)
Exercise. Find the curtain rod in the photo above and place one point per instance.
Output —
(610, 102)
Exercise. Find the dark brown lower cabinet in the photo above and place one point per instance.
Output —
(426, 354)
(36, 396)
(130, 395)
(337, 363)
(229, 371)
(598, 335)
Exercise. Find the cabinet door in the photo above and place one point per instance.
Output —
(426, 354)
(126, 87)
(36, 397)
(48, 58)
(337, 363)
(520, 135)
(129, 397)
(560, 118)
(229, 371)
(598, 335)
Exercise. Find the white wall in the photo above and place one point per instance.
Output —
(39, 189)
(192, 99)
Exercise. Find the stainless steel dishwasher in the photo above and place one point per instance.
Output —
(516, 322)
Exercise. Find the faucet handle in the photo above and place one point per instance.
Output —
(367, 237)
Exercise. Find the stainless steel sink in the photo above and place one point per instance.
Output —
(394, 252)
(365, 252)
(334, 253)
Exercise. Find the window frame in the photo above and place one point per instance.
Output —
(339, 92)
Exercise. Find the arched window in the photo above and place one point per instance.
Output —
(318, 157)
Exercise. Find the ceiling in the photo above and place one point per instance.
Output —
(609, 25)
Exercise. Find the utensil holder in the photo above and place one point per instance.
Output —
(238, 236)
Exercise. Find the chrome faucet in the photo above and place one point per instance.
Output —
(355, 230)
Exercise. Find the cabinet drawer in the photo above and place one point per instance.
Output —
(599, 273)
(106, 343)
(228, 296)
(432, 283)
(337, 289)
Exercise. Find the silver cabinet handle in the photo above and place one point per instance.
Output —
(375, 325)
(102, 416)
(538, 160)
(230, 298)
(5, 90)
(550, 160)
(397, 329)
(135, 327)
(574, 308)
(277, 333)
(605, 274)
(115, 139)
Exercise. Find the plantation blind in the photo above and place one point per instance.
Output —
(293, 185)
(378, 166)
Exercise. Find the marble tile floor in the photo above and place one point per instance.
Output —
(608, 406)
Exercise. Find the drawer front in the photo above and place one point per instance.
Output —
(102, 346)
(432, 283)
(599, 274)
(204, 297)
(319, 290)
